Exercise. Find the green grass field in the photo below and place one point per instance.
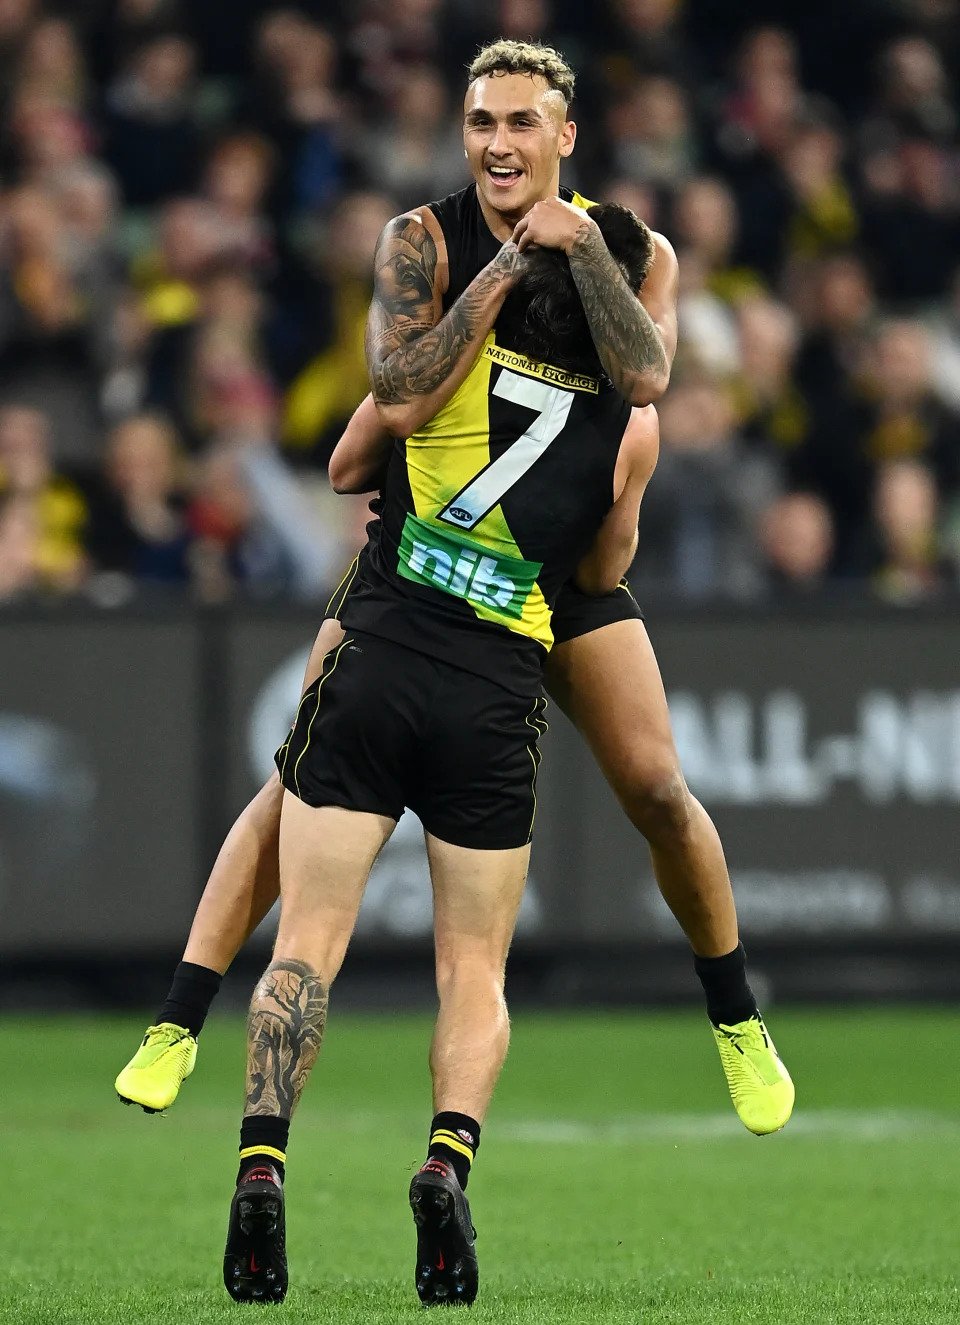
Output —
(614, 1182)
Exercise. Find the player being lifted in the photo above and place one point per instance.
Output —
(443, 281)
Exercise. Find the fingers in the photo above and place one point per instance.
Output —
(522, 236)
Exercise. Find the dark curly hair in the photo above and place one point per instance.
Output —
(544, 312)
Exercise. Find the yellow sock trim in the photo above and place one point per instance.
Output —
(272, 1151)
(445, 1138)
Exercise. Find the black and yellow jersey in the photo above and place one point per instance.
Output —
(489, 508)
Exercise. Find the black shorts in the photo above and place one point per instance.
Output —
(577, 613)
(385, 728)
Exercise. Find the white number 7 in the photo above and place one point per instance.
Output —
(485, 491)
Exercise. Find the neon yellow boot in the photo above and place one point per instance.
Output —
(157, 1070)
(760, 1085)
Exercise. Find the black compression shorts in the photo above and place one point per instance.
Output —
(384, 727)
(578, 613)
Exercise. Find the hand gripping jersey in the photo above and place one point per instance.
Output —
(489, 508)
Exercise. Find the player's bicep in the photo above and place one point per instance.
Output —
(406, 299)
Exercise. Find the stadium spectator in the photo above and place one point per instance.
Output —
(761, 109)
(841, 310)
(706, 221)
(236, 182)
(797, 536)
(701, 514)
(914, 96)
(645, 34)
(47, 334)
(299, 108)
(325, 318)
(201, 367)
(44, 514)
(137, 527)
(151, 135)
(892, 414)
(51, 62)
(769, 407)
(906, 514)
(910, 221)
(416, 152)
(253, 527)
(821, 214)
(651, 133)
(640, 198)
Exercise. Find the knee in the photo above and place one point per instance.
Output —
(475, 975)
(657, 800)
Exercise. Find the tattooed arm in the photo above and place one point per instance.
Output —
(416, 358)
(288, 1013)
(635, 336)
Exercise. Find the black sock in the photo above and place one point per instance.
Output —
(729, 998)
(263, 1138)
(193, 990)
(455, 1138)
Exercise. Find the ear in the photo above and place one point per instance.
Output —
(568, 137)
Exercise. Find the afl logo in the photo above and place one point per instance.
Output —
(458, 513)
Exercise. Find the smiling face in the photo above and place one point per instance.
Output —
(515, 131)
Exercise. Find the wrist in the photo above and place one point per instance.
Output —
(508, 264)
(585, 234)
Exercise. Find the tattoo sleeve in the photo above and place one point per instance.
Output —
(627, 339)
(288, 1013)
(408, 354)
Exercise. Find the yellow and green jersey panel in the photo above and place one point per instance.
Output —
(501, 493)
(461, 475)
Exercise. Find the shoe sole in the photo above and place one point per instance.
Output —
(259, 1214)
(145, 1107)
(455, 1280)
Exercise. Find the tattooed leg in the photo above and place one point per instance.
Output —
(284, 1033)
(325, 857)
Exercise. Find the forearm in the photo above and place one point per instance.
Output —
(627, 339)
(604, 566)
(362, 453)
(415, 380)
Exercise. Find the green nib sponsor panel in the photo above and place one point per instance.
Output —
(465, 569)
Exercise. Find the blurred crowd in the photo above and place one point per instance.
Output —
(190, 194)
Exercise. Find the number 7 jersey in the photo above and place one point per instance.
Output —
(489, 508)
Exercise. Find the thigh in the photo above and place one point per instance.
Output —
(608, 683)
(354, 741)
(479, 764)
(328, 637)
(476, 897)
(326, 855)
